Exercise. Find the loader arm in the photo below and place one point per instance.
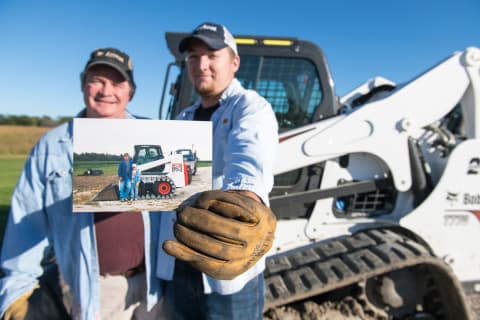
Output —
(153, 164)
(377, 126)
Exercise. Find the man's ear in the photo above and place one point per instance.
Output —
(132, 92)
(236, 63)
(82, 80)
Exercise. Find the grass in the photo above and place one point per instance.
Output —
(15, 144)
(108, 167)
(11, 167)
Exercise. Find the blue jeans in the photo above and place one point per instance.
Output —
(184, 298)
(134, 191)
(124, 188)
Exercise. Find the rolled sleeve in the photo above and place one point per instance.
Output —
(250, 147)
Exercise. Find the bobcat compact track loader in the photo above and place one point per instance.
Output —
(377, 193)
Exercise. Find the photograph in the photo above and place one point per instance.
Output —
(139, 164)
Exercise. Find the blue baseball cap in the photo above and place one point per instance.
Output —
(215, 36)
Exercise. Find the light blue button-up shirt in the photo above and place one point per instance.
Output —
(245, 142)
(41, 219)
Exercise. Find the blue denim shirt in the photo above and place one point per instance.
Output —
(124, 170)
(245, 142)
(41, 219)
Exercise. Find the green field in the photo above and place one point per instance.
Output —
(108, 167)
(15, 144)
(11, 167)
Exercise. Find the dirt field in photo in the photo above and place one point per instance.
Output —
(87, 187)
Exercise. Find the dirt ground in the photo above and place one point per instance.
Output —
(474, 300)
(85, 188)
(346, 309)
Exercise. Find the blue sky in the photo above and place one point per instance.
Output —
(45, 44)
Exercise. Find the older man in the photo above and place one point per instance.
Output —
(105, 258)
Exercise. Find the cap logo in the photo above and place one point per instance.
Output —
(208, 27)
(115, 56)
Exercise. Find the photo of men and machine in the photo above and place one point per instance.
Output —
(139, 164)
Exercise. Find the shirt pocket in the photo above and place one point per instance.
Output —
(59, 191)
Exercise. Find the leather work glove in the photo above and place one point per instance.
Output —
(223, 233)
(43, 302)
(19, 308)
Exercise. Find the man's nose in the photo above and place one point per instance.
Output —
(204, 62)
(107, 88)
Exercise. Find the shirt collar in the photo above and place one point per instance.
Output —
(231, 89)
(83, 114)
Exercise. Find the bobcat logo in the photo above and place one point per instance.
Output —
(452, 197)
(473, 166)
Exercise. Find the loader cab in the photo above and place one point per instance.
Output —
(291, 74)
(148, 153)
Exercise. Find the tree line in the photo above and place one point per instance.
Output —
(24, 120)
(92, 156)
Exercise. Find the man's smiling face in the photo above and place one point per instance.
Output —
(106, 92)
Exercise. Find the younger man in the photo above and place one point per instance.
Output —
(220, 279)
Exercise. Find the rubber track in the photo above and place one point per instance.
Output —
(324, 267)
